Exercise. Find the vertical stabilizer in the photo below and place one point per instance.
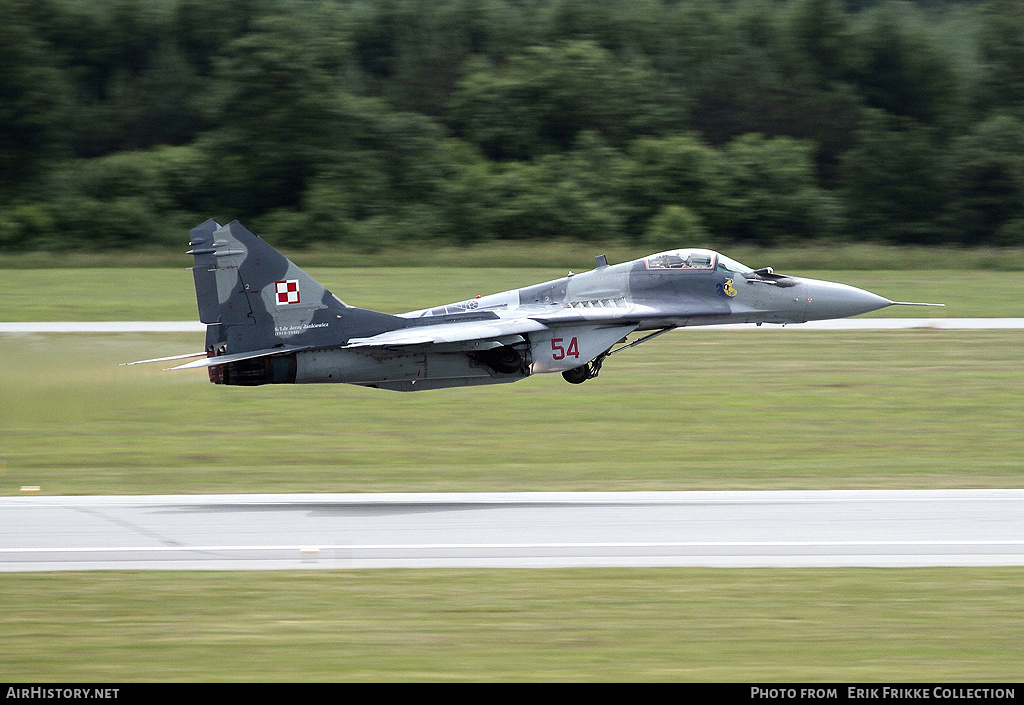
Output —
(253, 298)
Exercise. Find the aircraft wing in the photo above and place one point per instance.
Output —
(450, 333)
(524, 320)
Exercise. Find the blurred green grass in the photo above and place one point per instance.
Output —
(695, 409)
(628, 625)
(168, 294)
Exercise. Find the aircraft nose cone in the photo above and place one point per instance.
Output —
(831, 300)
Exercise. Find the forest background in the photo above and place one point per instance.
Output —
(367, 124)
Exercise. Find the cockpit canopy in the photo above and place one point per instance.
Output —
(694, 259)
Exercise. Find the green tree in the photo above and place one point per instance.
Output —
(1001, 45)
(819, 40)
(675, 226)
(893, 182)
(30, 94)
(540, 101)
(201, 30)
(773, 192)
(770, 80)
(280, 115)
(986, 172)
(467, 196)
(561, 196)
(898, 68)
(694, 36)
(680, 170)
(127, 198)
(413, 52)
(403, 181)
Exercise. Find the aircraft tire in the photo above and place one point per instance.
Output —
(577, 375)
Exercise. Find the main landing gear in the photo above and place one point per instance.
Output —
(579, 375)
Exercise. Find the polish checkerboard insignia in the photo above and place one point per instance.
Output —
(287, 292)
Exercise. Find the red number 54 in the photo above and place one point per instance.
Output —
(560, 353)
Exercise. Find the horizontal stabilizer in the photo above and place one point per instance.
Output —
(225, 359)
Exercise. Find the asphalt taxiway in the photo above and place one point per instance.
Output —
(528, 529)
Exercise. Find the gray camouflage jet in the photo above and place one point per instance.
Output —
(268, 322)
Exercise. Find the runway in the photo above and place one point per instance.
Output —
(881, 528)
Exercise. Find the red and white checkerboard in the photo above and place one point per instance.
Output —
(287, 292)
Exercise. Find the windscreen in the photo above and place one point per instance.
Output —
(730, 265)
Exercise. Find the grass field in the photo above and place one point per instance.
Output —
(698, 409)
(692, 410)
(854, 625)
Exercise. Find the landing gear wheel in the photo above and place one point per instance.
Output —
(577, 375)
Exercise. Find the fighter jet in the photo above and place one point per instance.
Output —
(268, 322)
